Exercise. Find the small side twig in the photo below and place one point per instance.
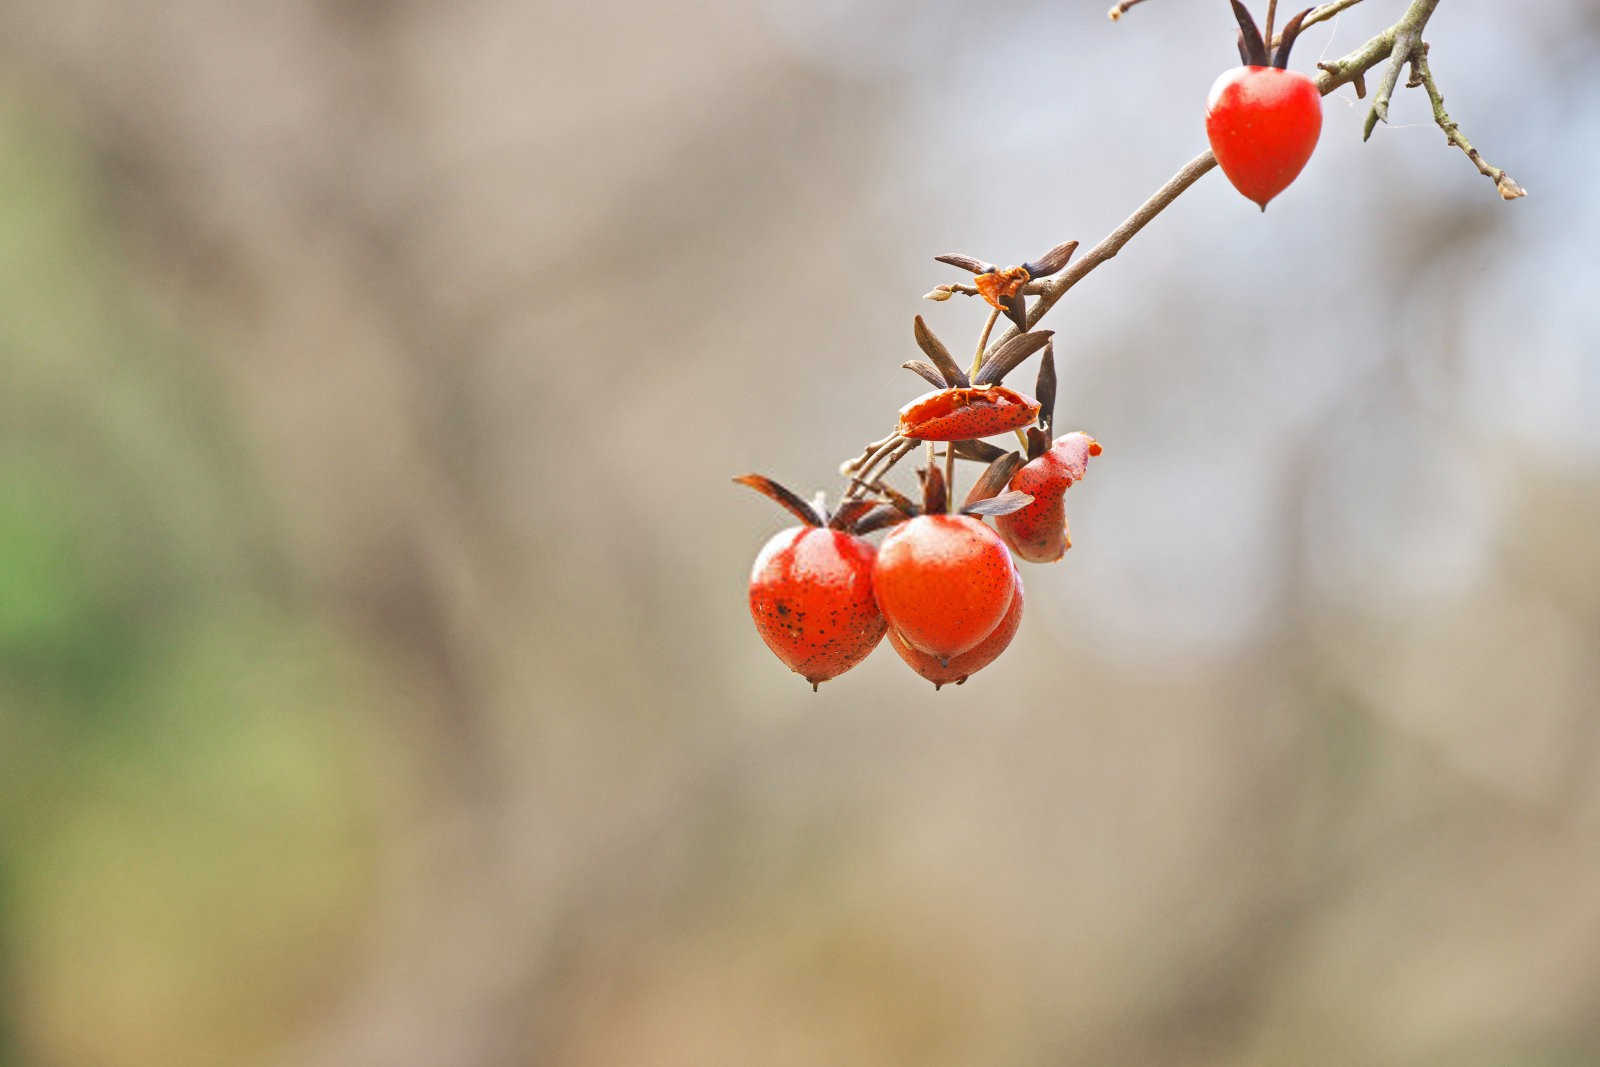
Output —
(1407, 43)
(1323, 14)
(1423, 76)
(1118, 10)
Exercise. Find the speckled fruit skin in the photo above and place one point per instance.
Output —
(966, 414)
(962, 667)
(1263, 124)
(811, 599)
(1038, 533)
(944, 582)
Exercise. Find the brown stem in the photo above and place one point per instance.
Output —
(1333, 75)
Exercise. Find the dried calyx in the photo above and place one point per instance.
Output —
(1002, 287)
(848, 516)
(1253, 50)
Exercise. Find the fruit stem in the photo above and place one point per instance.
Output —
(983, 343)
(1266, 34)
(950, 471)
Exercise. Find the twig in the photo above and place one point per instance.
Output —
(1407, 42)
(1324, 13)
(944, 290)
(1421, 75)
(1399, 44)
(1118, 10)
(1341, 72)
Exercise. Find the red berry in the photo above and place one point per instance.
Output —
(1038, 533)
(944, 582)
(965, 414)
(1263, 123)
(811, 599)
(960, 668)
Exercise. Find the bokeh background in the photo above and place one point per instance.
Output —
(376, 682)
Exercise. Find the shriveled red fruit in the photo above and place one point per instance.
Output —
(964, 414)
(944, 582)
(960, 668)
(1038, 533)
(812, 602)
(1263, 124)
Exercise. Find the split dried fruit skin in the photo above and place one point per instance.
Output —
(966, 414)
(944, 582)
(960, 668)
(1263, 124)
(1038, 533)
(812, 600)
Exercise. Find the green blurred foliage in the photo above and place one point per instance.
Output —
(181, 831)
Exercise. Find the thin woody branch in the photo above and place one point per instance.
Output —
(1421, 75)
(1400, 44)
(1343, 71)
(1407, 44)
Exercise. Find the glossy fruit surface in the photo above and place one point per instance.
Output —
(966, 414)
(812, 602)
(1263, 123)
(968, 663)
(1038, 533)
(944, 582)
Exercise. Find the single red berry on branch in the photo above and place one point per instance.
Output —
(811, 589)
(959, 668)
(1263, 121)
(944, 582)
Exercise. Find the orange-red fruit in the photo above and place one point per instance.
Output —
(966, 414)
(1038, 533)
(944, 582)
(1263, 123)
(961, 667)
(811, 599)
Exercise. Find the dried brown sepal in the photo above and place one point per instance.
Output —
(1044, 390)
(898, 500)
(784, 498)
(995, 477)
(1038, 442)
(879, 519)
(1286, 39)
(935, 350)
(927, 371)
(967, 263)
(1004, 504)
(1253, 49)
(850, 511)
(1004, 359)
(1052, 260)
(979, 451)
(1244, 52)
(1017, 308)
(935, 498)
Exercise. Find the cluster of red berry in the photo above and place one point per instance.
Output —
(944, 586)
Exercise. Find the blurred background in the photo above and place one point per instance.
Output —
(376, 680)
